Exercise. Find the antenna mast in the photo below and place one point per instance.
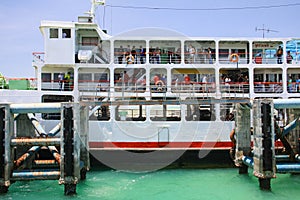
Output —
(263, 29)
(94, 6)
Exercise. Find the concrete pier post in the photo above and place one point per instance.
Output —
(243, 135)
(6, 156)
(84, 140)
(74, 146)
(264, 136)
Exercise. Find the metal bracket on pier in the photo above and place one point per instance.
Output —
(24, 138)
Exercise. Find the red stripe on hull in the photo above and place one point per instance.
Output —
(185, 145)
(200, 145)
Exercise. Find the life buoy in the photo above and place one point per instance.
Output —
(159, 85)
(234, 58)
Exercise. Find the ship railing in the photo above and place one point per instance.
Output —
(268, 87)
(38, 57)
(234, 87)
(186, 91)
(196, 87)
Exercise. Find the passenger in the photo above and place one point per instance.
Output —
(279, 55)
(229, 117)
(142, 83)
(298, 84)
(192, 52)
(126, 78)
(209, 56)
(178, 56)
(67, 79)
(156, 79)
(289, 58)
(133, 53)
(227, 81)
(204, 83)
(290, 84)
(233, 148)
(121, 54)
(156, 55)
(60, 80)
(187, 79)
(142, 55)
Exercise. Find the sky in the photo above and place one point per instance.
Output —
(20, 21)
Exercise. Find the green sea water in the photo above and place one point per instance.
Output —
(163, 184)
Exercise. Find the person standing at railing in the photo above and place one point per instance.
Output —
(67, 79)
(290, 84)
(279, 55)
(142, 55)
(60, 80)
(209, 56)
(298, 84)
(289, 58)
(121, 54)
(192, 52)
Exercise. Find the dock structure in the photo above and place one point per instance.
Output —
(261, 152)
(28, 152)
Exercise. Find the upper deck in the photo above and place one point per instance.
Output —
(164, 61)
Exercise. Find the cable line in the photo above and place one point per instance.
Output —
(206, 9)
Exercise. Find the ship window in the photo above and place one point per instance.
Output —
(266, 51)
(193, 80)
(165, 52)
(101, 77)
(130, 79)
(226, 112)
(165, 112)
(293, 78)
(199, 52)
(124, 48)
(46, 77)
(53, 33)
(267, 80)
(90, 41)
(234, 47)
(100, 113)
(66, 33)
(234, 80)
(131, 112)
(199, 111)
(84, 77)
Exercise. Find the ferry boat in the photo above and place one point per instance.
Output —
(154, 90)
